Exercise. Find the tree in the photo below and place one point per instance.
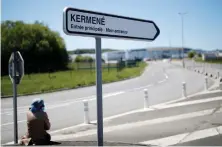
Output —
(78, 59)
(41, 48)
(199, 55)
(191, 54)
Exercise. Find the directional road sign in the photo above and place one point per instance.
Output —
(90, 23)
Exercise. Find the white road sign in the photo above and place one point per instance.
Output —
(96, 24)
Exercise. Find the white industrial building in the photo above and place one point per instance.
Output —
(114, 56)
(136, 53)
(130, 54)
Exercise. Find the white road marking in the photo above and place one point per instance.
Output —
(188, 98)
(158, 106)
(152, 108)
(161, 81)
(66, 104)
(185, 137)
(139, 88)
(138, 124)
(166, 76)
(190, 102)
(12, 123)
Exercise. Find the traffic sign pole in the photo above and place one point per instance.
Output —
(96, 24)
(15, 98)
(99, 92)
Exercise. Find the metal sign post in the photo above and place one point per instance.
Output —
(16, 72)
(80, 22)
(99, 92)
(15, 98)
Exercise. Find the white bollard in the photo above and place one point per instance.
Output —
(184, 91)
(86, 112)
(146, 99)
(206, 83)
(220, 85)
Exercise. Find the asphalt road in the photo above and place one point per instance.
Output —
(65, 108)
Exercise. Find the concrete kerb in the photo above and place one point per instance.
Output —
(86, 127)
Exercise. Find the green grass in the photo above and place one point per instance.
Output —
(89, 65)
(45, 82)
(214, 61)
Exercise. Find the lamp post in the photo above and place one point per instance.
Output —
(182, 37)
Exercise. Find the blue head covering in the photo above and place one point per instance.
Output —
(37, 105)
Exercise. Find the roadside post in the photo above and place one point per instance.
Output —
(206, 83)
(16, 72)
(86, 112)
(146, 99)
(99, 25)
(184, 89)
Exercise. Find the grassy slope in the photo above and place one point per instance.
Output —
(66, 79)
(218, 61)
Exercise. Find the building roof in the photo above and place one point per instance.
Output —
(163, 48)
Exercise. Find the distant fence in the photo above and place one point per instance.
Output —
(119, 65)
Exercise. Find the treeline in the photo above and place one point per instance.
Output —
(85, 59)
(88, 51)
(43, 50)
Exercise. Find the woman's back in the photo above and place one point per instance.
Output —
(36, 123)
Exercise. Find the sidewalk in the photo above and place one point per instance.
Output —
(168, 124)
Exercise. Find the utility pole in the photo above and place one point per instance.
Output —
(182, 37)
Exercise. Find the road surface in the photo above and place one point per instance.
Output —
(162, 79)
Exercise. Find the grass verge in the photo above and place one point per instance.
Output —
(40, 83)
(214, 61)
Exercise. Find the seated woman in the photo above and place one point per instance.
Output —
(37, 124)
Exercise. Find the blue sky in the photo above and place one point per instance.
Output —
(202, 24)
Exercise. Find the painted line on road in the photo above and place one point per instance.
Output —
(139, 88)
(161, 81)
(184, 98)
(138, 124)
(48, 104)
(185, 137)
(13, 123)
(129, 125)
(151, 108)
(9, 111)
(157, 107)
(66, 104)
(166, 76)
(190, 102)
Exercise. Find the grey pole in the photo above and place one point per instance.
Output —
(15, 99)
(99, 92)
(182, 14)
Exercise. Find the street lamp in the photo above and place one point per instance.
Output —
(182, 14)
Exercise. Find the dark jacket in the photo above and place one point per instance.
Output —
(37, 124)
